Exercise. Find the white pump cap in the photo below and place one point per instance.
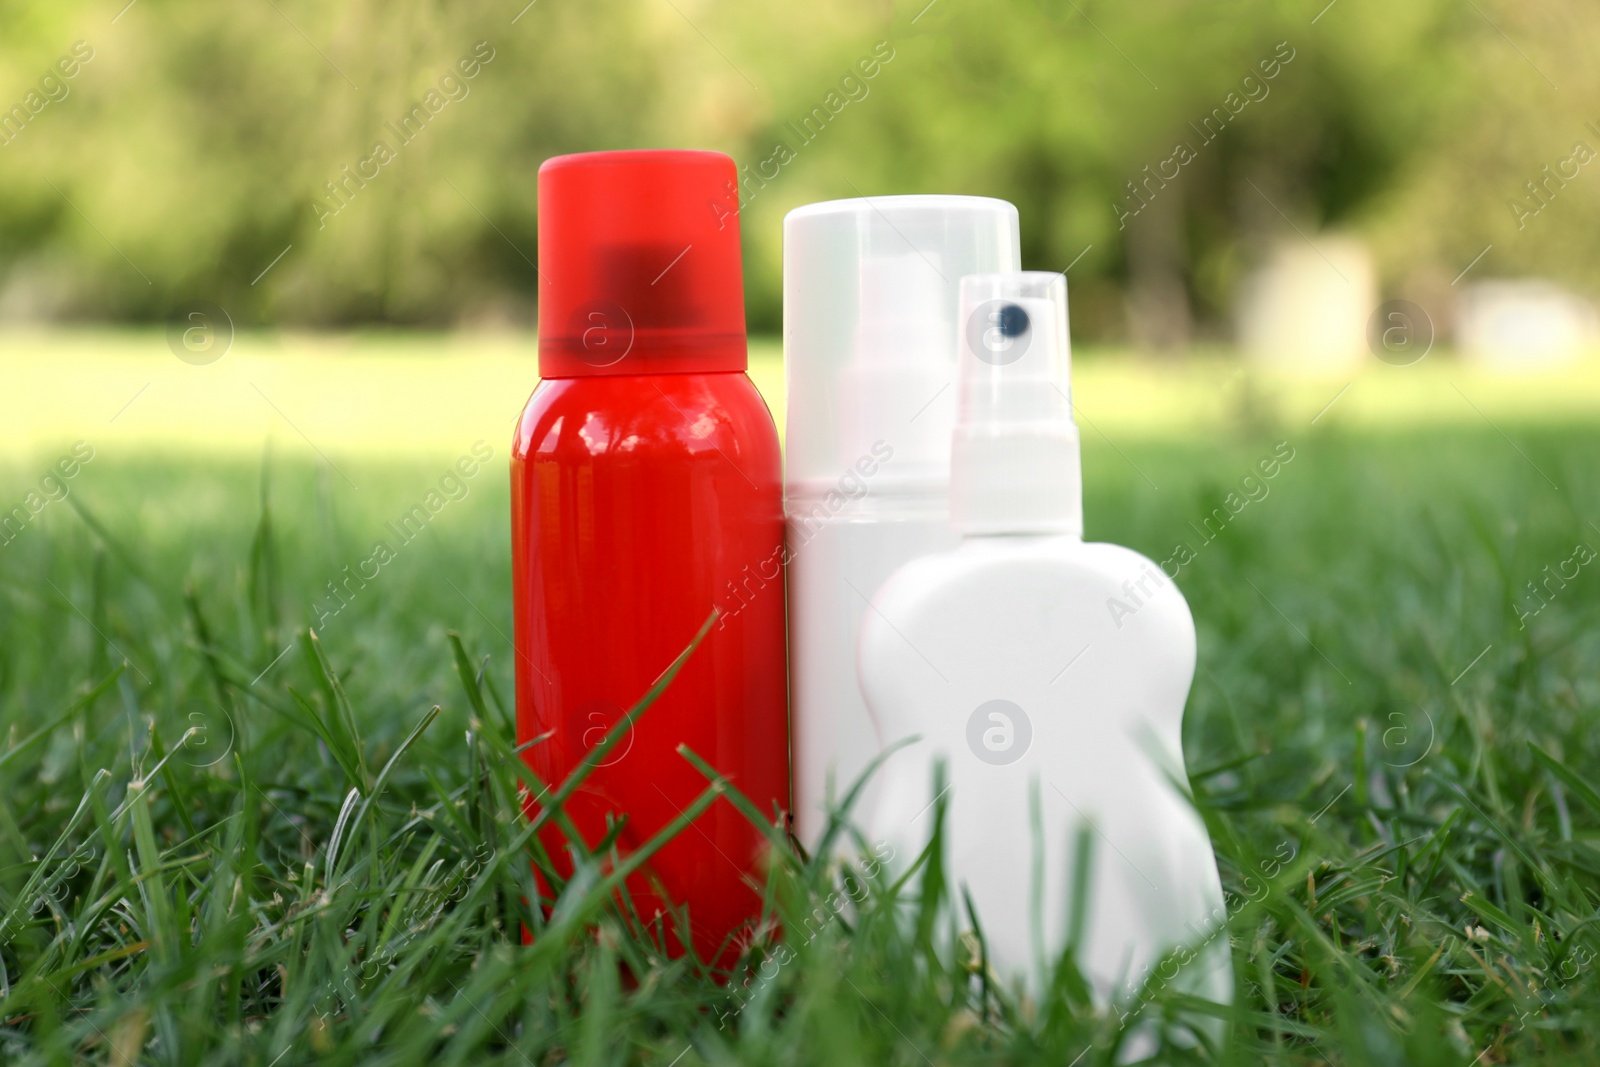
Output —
(869, 325)
(1014, 459)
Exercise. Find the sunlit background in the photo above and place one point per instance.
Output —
(1237, 184)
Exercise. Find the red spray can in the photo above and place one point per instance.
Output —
(645, 491)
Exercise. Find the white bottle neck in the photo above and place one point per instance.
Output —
(1016, 479)
(985, 541)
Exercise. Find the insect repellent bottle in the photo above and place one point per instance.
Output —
(1049, 675)
(869, 312)
(645, 478)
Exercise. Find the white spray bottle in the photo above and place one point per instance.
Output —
(870, 288)
(1050, 676)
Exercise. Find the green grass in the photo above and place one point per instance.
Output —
(217, 851)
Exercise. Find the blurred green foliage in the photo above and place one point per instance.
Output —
(194, 146)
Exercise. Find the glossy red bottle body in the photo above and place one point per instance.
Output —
(639, 503)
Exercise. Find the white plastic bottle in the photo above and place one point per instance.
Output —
(870, 290)
(1050, 675)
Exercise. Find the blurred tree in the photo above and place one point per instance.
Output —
(1145, 145)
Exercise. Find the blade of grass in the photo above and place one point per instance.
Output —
(470, 682)
(1574, 781)
(339, 710)
(82, 703)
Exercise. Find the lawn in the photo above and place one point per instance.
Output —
(227, 841)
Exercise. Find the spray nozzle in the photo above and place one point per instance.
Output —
(1015, 466)
(1013, 321)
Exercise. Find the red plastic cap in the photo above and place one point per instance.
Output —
(639, 269)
